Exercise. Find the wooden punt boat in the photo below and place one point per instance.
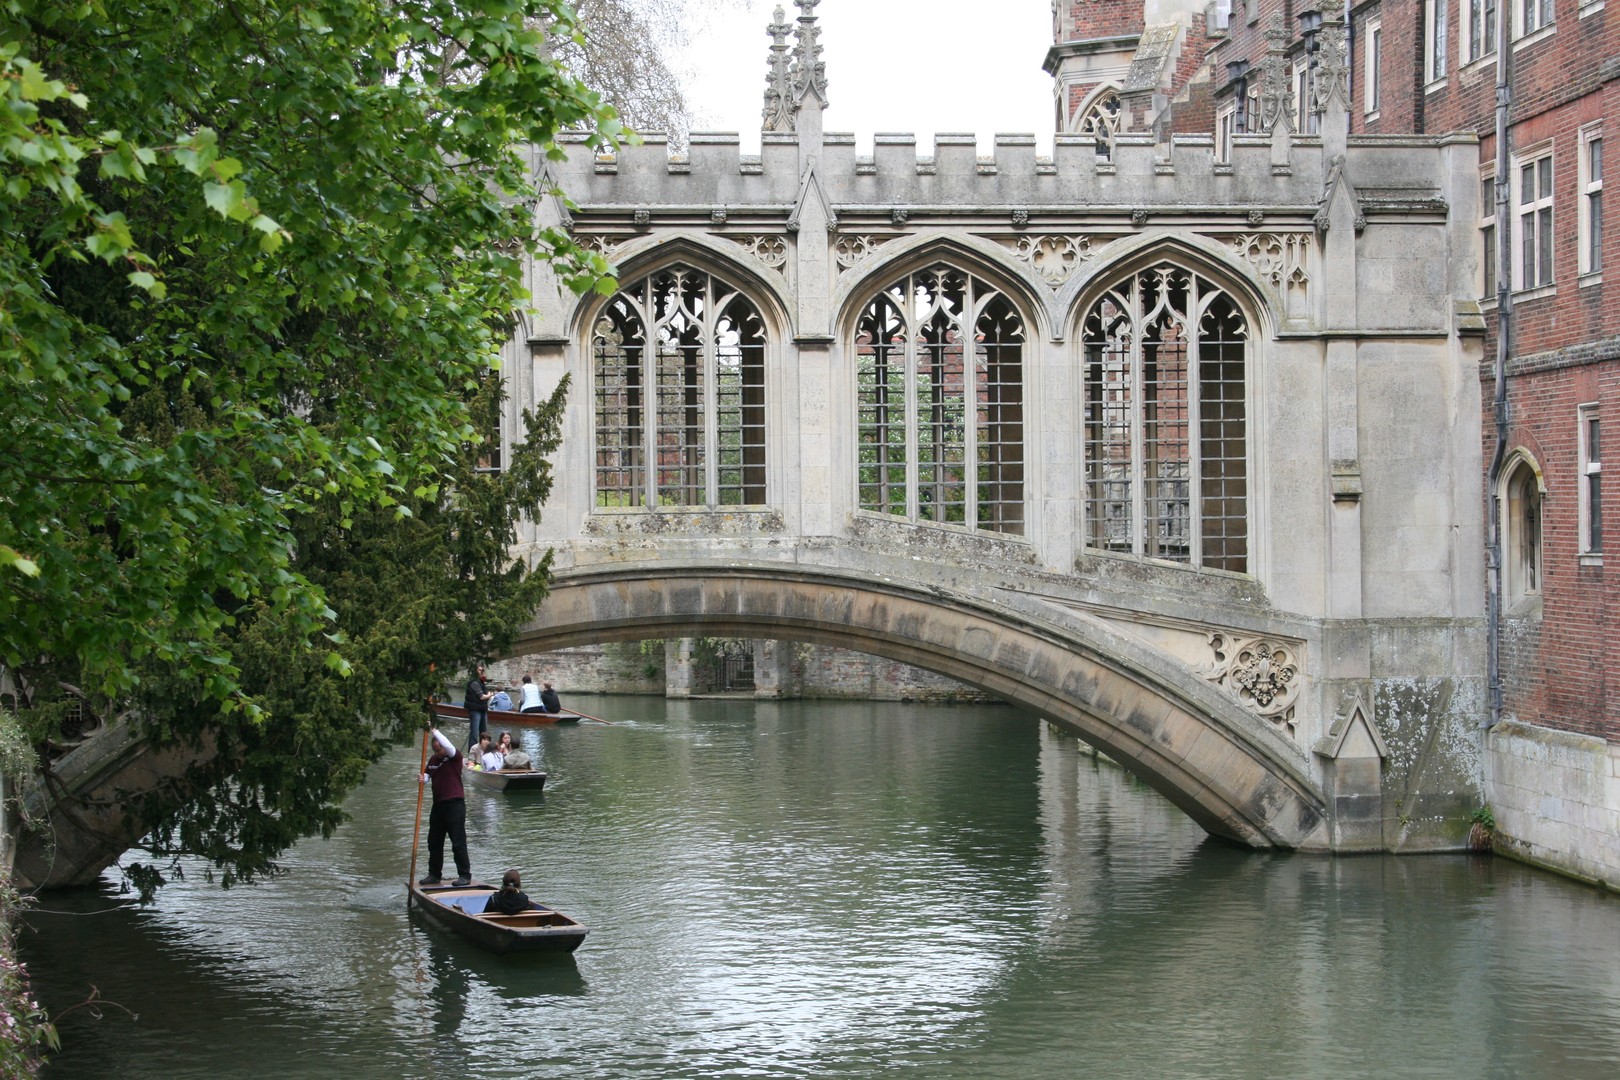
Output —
(506, 779)
(461, 911)
(500, 717)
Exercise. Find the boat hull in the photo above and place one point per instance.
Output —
(506, 779)
(501, 717)
(540, 930)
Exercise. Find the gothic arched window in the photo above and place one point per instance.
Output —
(939, 374)
(680, 394)
(1521, 576)
(1100, 120)
(1166, 421)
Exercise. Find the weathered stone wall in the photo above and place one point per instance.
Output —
(820, 672)
(814, 671)
(614, 668)
(1556, 799)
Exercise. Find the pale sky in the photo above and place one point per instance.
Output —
(892, 65)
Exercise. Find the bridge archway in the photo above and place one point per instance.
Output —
(1223, 766)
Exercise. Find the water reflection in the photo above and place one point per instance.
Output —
(800, 889)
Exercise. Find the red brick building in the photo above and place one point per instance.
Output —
(1432, 67)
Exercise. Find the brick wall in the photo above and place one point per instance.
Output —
(1082, 20)
(1557, 653)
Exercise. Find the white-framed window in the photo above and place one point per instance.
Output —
(1521, 513)
(1534, 15)
(1591, 465)
(1434, 40)
(1372, 65)
(1480, 37)
(1225, 128)
(1487, 235)
(1590, 186)
(1533, 219)
(1306, 122)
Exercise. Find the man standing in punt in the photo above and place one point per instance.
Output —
(449, 814)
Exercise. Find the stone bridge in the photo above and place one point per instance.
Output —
(1174, 443)
(1008, 633)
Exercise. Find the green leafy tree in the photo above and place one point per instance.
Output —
(411, 595)
(256, 260)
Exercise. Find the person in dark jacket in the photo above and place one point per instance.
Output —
(510, 899)
(549, 701)
(476, 699)
(449, 814)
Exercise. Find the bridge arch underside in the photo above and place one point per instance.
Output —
(1212, 760)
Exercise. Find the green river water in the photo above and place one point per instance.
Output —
(813, 889)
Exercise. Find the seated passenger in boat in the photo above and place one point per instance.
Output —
(510, 899)
(549, 699)
(531, 697)
(489, 758)
(516, 757)
(501, 702)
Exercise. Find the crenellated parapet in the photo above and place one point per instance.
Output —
(1180, 176)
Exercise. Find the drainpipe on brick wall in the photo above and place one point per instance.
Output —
(1504, 347)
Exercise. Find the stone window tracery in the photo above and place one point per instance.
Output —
(1100, 120)
(940, 402)
(1166, 424)
(679, 365)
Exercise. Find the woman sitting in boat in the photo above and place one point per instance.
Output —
(549, 699)
(510, 899)
(489, 758)
(501, 702)
(531, 697)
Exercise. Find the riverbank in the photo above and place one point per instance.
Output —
(26, 1033)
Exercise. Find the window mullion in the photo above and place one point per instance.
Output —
(709, 381)
(1138, 451)
(913, 435)
(1195, 426)
(650, 357)
(970, 407)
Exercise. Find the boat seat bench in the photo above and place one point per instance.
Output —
(526, 918)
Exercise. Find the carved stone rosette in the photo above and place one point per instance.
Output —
(602, 245)
(1279, 258)
(1263, 673)
(769, 251)
(851, 249)
(1053, 257)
